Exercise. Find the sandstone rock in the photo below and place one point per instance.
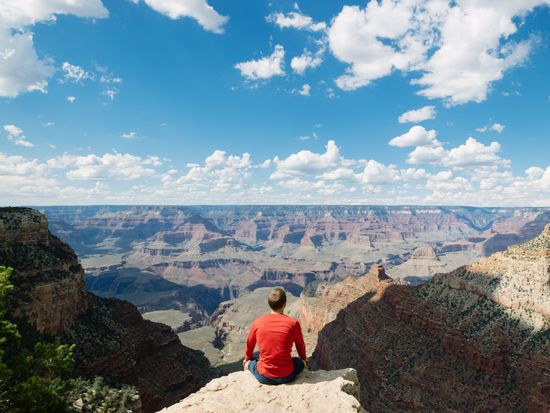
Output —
(314, 312)
(314, 391)
(112, 339)
(424, 253)
(481, 332)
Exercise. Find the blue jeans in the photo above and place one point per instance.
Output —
(298, 367)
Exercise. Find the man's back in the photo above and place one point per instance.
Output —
(275, 334)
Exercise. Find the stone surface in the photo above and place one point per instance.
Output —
(481, 332)
(49, 282)
(314, 391)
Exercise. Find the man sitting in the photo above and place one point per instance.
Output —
(275, 334)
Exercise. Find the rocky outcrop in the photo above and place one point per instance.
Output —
(114, 341)
(424, 253)
(316, 309)
(483, 329)
(314, 391)
(49, 285)
(112, 338)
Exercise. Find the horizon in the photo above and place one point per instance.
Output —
(208, 103)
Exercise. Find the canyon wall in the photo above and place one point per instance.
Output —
(112, 338)
(477, 338)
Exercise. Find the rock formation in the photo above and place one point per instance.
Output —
(112, 338)
(481, 332)
(314, 391)
(316, 309)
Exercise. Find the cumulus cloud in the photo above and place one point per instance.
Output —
(15, 135)
(497, 127)
(114, 166)
(265, 67)
(199, 10)
(74, 73)
(470, 154)
(306, 60)
(416, 136)
(459, 48)
(418, 115)
(305, 90)
(305, 161)
(296, 20)
(21, 69)
(219, 172)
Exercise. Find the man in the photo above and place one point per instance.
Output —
(275, 334)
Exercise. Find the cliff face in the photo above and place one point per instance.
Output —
(48, 279)
(112, 338)
(316, 310)
(314, 391)
(481, 332)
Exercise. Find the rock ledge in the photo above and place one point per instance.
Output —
(318, 391)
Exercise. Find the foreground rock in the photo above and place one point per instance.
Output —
(481, 332)
(112, 338)
(314, 391)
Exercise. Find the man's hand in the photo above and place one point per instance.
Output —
(305, 364)
(245, 364)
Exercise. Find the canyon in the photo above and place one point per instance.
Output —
(112, 339)
(481, 332)
(195, 257)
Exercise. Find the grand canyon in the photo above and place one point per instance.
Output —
(450, 314)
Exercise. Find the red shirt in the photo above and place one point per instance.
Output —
(275, 334)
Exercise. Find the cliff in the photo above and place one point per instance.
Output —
(112, 338)
(481, 332)
(316, 309)
(314, 391)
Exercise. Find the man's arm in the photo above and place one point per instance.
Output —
(299, 341)
(250, 343)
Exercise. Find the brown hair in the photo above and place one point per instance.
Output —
(277, 299)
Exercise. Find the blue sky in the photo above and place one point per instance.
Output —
(256, 102)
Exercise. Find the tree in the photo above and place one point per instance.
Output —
(31, 379)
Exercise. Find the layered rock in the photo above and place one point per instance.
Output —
(316, 309)
(483, 329)
(49, 285)
(314, 391)
(112, 338)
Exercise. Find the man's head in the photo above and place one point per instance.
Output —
(277, 299)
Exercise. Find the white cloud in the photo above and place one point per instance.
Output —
(426, 154)
(296, 20)
(474, 153)
(15, 134)
(219, 173)
(110, 93)
(305, 162)
(199, 10)
(21, 69)
(114, 166)
(377, 173)
(416, 136)
(13, 130)
(470, 154)
(305, 90)
(459, 48)
(74, 73)
(418, 115)
(129, 136)
(265, 67)
(71, 99)
(497, 127)
(305, 61)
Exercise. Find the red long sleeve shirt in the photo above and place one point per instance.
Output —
(275, 335)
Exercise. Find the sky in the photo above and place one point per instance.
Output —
(416, 102)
